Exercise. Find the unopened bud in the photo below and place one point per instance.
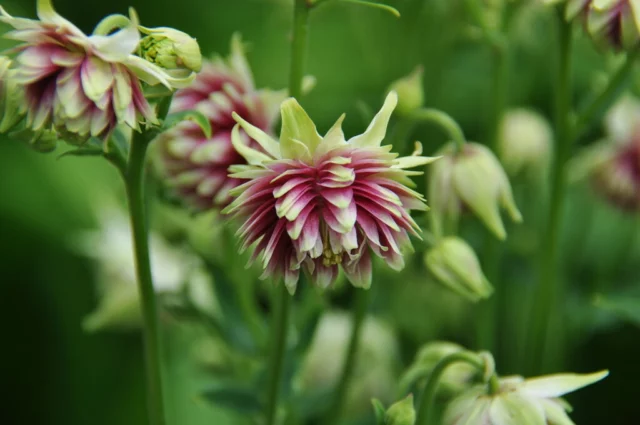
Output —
(410, 92)
(471, 177)
(171, 49)
(612, 23)
(401, 413)
(454, 263)
(524, 142)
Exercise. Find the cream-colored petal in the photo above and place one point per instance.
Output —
(560, 384)
(376, 131)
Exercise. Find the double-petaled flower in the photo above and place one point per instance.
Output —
(318, 203)
(195, 166)
(83, 85)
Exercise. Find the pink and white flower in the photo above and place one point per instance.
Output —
(316, 203)
(83, 85)
(192, 164)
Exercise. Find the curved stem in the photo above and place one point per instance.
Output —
(427, 399)
(549, 288)
(359, 313)
(444, 121)
(279, 325)
(151, 330)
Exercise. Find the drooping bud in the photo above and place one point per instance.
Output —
(471, 177)
(613, 23)
(12, 106)
(170, 49)
(524, 142)
(410, 92)
(454, 263)
(457, 377)
(401, 412)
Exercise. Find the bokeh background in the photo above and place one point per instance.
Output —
(55, 373)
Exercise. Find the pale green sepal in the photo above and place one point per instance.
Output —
(267, 143)
(560, 384)
(334, 137)
(555, 412)
(514, 409)
(298, 137)
(401, 413)
(376, 131)
(414, 161)
(252, 156)
(378, 410)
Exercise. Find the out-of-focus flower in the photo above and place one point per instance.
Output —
(613, 165)
(533, 401)
(375, 366)
(457, 377)
(12, 105)
(318, 203)
(410, 92)
(82, 85)
(401, 412)
(454, 263)
(195, 166)
(471, 177)
(174, 271)
(524, 143)
(614, 23)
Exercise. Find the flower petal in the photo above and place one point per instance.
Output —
(376, 131)
(560, 384)
(298, 131)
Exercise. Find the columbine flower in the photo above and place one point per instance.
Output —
(196, 166)
(174, 271)
(524, 143)
(375, 366)
(471, 177)
(316, 203)
(612, 166)
(82, 85)
(532, 401)
(173, 50)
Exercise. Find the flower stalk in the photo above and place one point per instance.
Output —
(426, 401)
(444, 121)
(134, 181)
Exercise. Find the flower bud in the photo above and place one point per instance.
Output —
(454, 264)
(171, 49)
(410, 92)
(401, 412)
(524, 142)
(613, 23)
(454, 379)
(12, 106)
(471, 177)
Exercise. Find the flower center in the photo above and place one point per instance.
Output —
(329, 258)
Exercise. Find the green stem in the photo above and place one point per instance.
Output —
(362, 299)
(282, 307)
(601, 103)
(426, 403)
(444, 121)
(549, 288)
(298, 46)
(151, 329)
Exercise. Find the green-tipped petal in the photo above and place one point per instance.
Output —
(376, 131)
(264, 140)
(560, 384)
(513, 409)
(252, 156)
(298, 137)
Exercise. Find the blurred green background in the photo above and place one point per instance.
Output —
(54, 373)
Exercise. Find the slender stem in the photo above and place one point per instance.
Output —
(444, 121)
(427, 399)
(301, 10)
(548, 289)
(601, 103)
(489, 310)
(362, 299)
(282, 306)
(151, 329)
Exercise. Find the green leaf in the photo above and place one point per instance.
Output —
(195, 116)
(379, 410)
(239, 398)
